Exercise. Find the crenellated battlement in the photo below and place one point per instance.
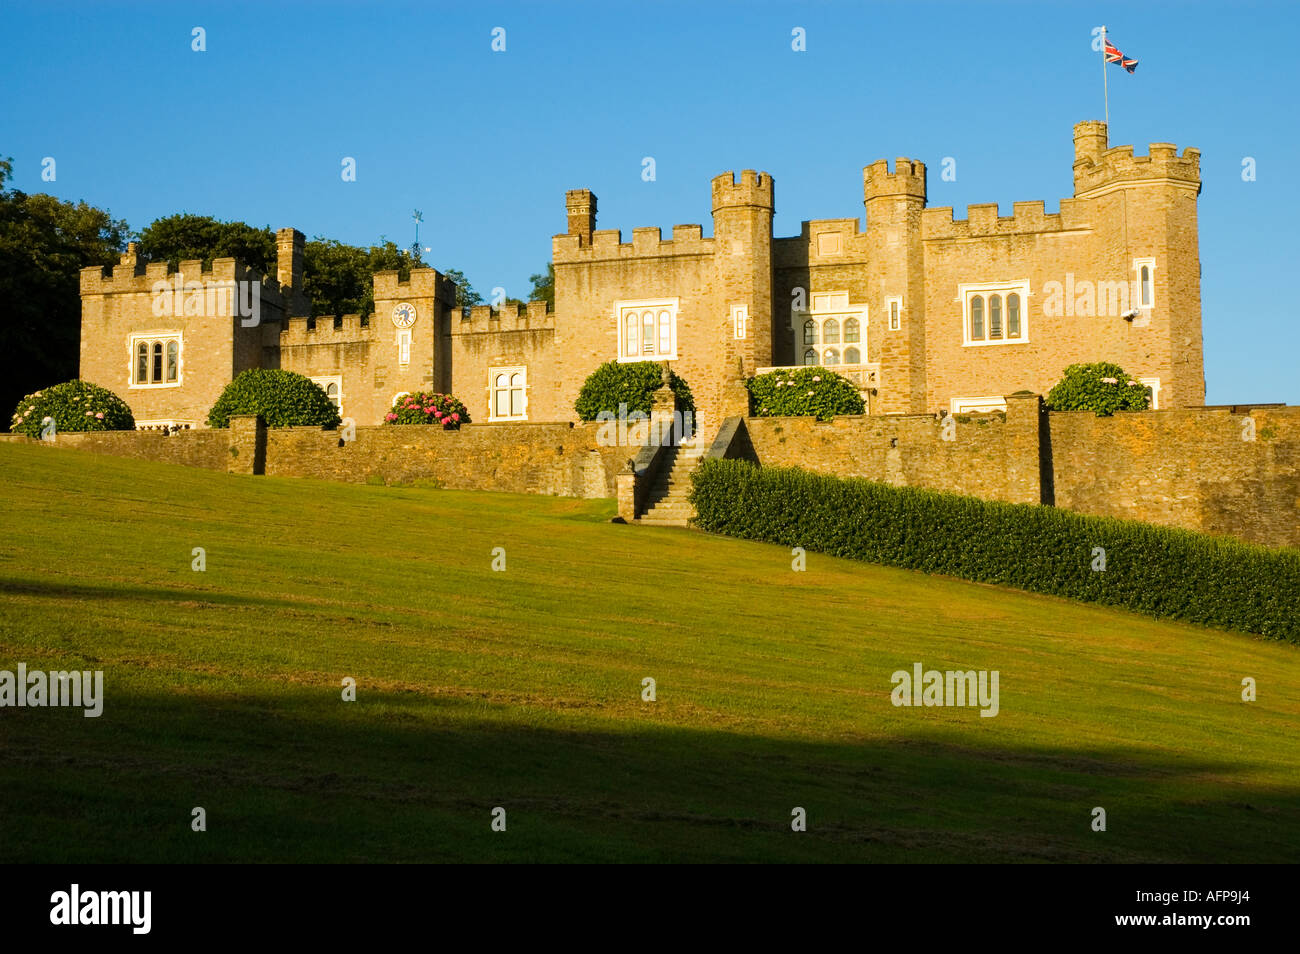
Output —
(132, 276)
(647, 242)
(1098, 166)
(509, 317)
(907, 179)
(422, 283)
(754, 189)
(298, 331)
(982, 220)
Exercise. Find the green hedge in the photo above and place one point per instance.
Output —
(1101, 387)
(803, 392)
(73, 406)
(1160, 571)
(283, 398)
(632, 384)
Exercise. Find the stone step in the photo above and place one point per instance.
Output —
(655, 522)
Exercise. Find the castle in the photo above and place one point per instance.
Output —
(922, 311)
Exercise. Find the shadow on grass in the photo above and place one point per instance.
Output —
(301, 776)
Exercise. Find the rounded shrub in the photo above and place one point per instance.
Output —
(283, 398)
(1101, 387)
(424, 407)
(73, 406)
(803, 392)
(632, 384)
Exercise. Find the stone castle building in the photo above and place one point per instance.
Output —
(923, 311)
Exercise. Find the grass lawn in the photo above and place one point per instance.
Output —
(522, 689)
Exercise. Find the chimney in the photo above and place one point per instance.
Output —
(288, 257)
(581, 206)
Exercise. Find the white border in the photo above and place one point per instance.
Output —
(673, 305)
(138, 336)
(964, 292)
(506, 369)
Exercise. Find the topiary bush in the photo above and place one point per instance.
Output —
(1160, 571)
(803, 392)
(423, 407)
(74, 406)
(283, 398)
(1101, 387)
(632, 384)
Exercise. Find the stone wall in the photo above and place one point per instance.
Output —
(1187, 468)
(995, 456)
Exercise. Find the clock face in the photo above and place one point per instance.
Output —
(404, 315)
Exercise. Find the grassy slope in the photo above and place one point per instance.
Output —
(522, 689)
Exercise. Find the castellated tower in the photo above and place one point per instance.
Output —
(894, 202)
(1148, 205)
(742, 232)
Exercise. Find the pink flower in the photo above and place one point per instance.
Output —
(100, 415)
(455, 417)
(390, 416)
(88, 414)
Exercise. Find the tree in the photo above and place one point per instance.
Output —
(544, 286)
(466, 296)
(1101, 387)
(44, 243)
(183, 237)
(338, 278)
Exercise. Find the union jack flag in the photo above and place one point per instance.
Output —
(1115, 56)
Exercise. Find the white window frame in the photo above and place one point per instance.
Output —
(132, 342)
(326, 380)
(895, 320)
(1152, 383)
(640, 306)
(824, 307)
(966, 291)
(1150, 263)
(492, 392)
(977, 405)
(404, 346)
(740, 321)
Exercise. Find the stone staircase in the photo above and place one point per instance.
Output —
(667, 503)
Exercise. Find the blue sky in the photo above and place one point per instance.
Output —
(485, 143)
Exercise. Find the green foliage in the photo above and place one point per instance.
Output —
(75, 406)
(338, 278)
(44, 243)
(424, 407)
(1160, 571)
(466, 296)
(283, 398)
(632, 384)
(183, 237)
(803, 392)
(544, 286)
(1101, 387)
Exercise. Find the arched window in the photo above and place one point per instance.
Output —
(501, 396)
(517, 395)
(665, 333)
(995, 316)
(810, 333)
(810, 358)
(1013, 316)
(852, 331)
(142, 363)
(332, 392)
(173, 360)
(830, 357)
(648, 332)
(831, 331)
(157, 362)
(852, 356)
(629, 334)
(1146, 286)
(977, 318)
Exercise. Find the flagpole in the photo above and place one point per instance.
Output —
(1104, 79)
